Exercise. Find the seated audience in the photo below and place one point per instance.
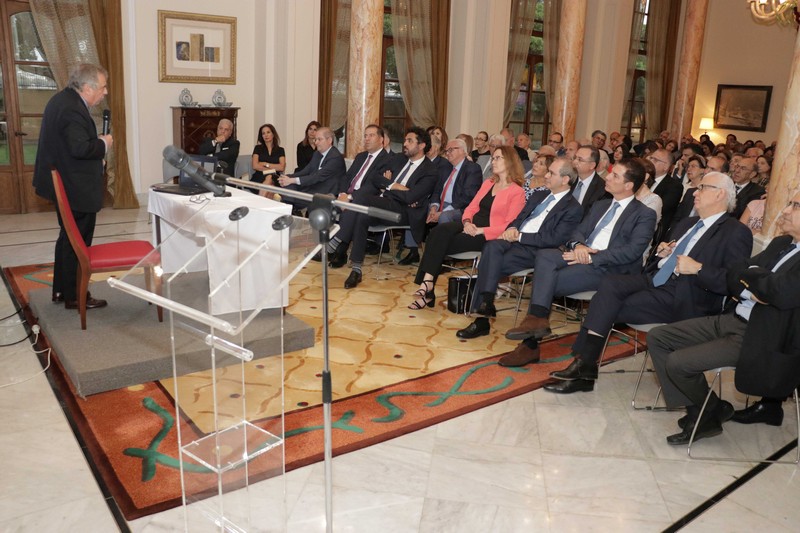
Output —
(644, 194)
(538, 172)
(269, 157)
(611, 239)
(684, 279)
(305, 148)
(438, 133)
(485, 160)
(764, 166)
(481, 146)
(524, 142)
(456, 188)
(758, 336)
(365, 175)
(589, 187)
(696, 168)
(510, 140)
(604, 165)
(322, 174)
(224, 147)
(669, 189)
(468, 141)
(598, 139)
(744, 173)
(753, 215)
(497, 203)
(547, 220)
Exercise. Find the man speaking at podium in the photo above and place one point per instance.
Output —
(68, 142)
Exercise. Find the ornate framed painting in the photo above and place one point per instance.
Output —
(742, 107)
(196, 48)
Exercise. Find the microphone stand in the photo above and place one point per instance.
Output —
(320, 217)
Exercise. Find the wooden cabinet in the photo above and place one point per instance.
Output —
(191, 125)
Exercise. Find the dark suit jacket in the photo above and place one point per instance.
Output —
(769, 363)
(323, 179)
(415, 200)
(724, 243)
(670, 191)
(629, 238)
(68, 141)
(683, 210)
(467, 182)
(376, 169)
(557, 226)
(522, 153)
(228, 152)
(751, 191)
(596, 191)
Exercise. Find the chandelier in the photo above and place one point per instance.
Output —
(780, 11)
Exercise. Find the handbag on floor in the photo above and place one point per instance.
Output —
(459, 293)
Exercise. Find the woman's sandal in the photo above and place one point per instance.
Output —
(428, 300)
(425, 287)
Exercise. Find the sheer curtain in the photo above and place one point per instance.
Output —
(519, 41)
(411, 29)
(552, 19)
(657, 75)
(341, 66)
(633, 49)
(67, 31)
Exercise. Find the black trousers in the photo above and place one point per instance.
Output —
(443, 240)
(65, 269)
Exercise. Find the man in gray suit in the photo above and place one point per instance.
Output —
(321, 175)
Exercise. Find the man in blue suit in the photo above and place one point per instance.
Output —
(366, 173)
(546, 221)
(685, 279)
(611, 239)
(322, 174)
(68, 141)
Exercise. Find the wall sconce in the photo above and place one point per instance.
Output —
(706, 124)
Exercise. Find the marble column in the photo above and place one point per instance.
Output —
(785, 180)
(694, 27)
(570, 57)
(364, 87)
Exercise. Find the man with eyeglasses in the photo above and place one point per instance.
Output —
(456, 188)
(321, 175)
(485, 161)
(611, 239)
(556, 141)
(481, 146)
(746, 190)
(684, 279)
(757, 333)
(668, 188)
(589, 187)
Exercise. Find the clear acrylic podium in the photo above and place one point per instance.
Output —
(220, 314)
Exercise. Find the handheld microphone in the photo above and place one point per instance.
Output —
(106, 121)
(210, 181)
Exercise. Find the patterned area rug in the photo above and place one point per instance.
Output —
(394, 371)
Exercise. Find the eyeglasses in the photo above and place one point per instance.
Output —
(794, 205)
(451, 149)
(497, 157)
(704, 186)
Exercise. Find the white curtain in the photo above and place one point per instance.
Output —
(552, 19)
(519, 41)
(411, 29)
(341, 66)
(657, 27)
(633, 49)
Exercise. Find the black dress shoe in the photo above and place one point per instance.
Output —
(478, 328)
(317, 257)
(486, 309)
(568, 387)
(577, 369)
(58, 297)
(339, 258)
(91, 303)
(709, 427)
(724, 413)
(352, 280)
(769, 413)
(411, 258)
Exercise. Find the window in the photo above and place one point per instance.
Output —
(530, 113)
(633, 114)
(394, 117)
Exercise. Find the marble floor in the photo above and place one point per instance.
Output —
(538, 462)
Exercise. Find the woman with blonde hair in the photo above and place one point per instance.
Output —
(497, 204)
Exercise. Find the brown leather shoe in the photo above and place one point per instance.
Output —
(521, 356)
(531, 326)
(91, 303)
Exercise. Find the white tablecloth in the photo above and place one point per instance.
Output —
(187, 225)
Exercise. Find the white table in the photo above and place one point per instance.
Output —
(185, 226)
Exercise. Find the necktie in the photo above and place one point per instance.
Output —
(605, 221)
(539, 209)
(772, 264)
(402, 174)
(738, 189)
(358, 176)
(446, 187)
(668, 267)
(576, 192)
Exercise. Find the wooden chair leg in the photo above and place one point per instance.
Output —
(83, 288)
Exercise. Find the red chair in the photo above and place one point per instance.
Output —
(104, 257)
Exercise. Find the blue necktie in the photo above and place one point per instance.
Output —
(668, 267)
(402, 174)
(539, 209)
(576, 192)
(605, 221)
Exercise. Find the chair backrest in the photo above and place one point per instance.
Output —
(70, 226)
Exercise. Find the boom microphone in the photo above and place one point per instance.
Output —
(210, 181)
(106, 121)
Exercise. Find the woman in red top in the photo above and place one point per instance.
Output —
(497, 204)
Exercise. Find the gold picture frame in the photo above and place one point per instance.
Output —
(196, 48)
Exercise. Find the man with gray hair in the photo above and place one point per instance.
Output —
(224, 147)
(685, 279)
(546, 221)
(68, 142)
